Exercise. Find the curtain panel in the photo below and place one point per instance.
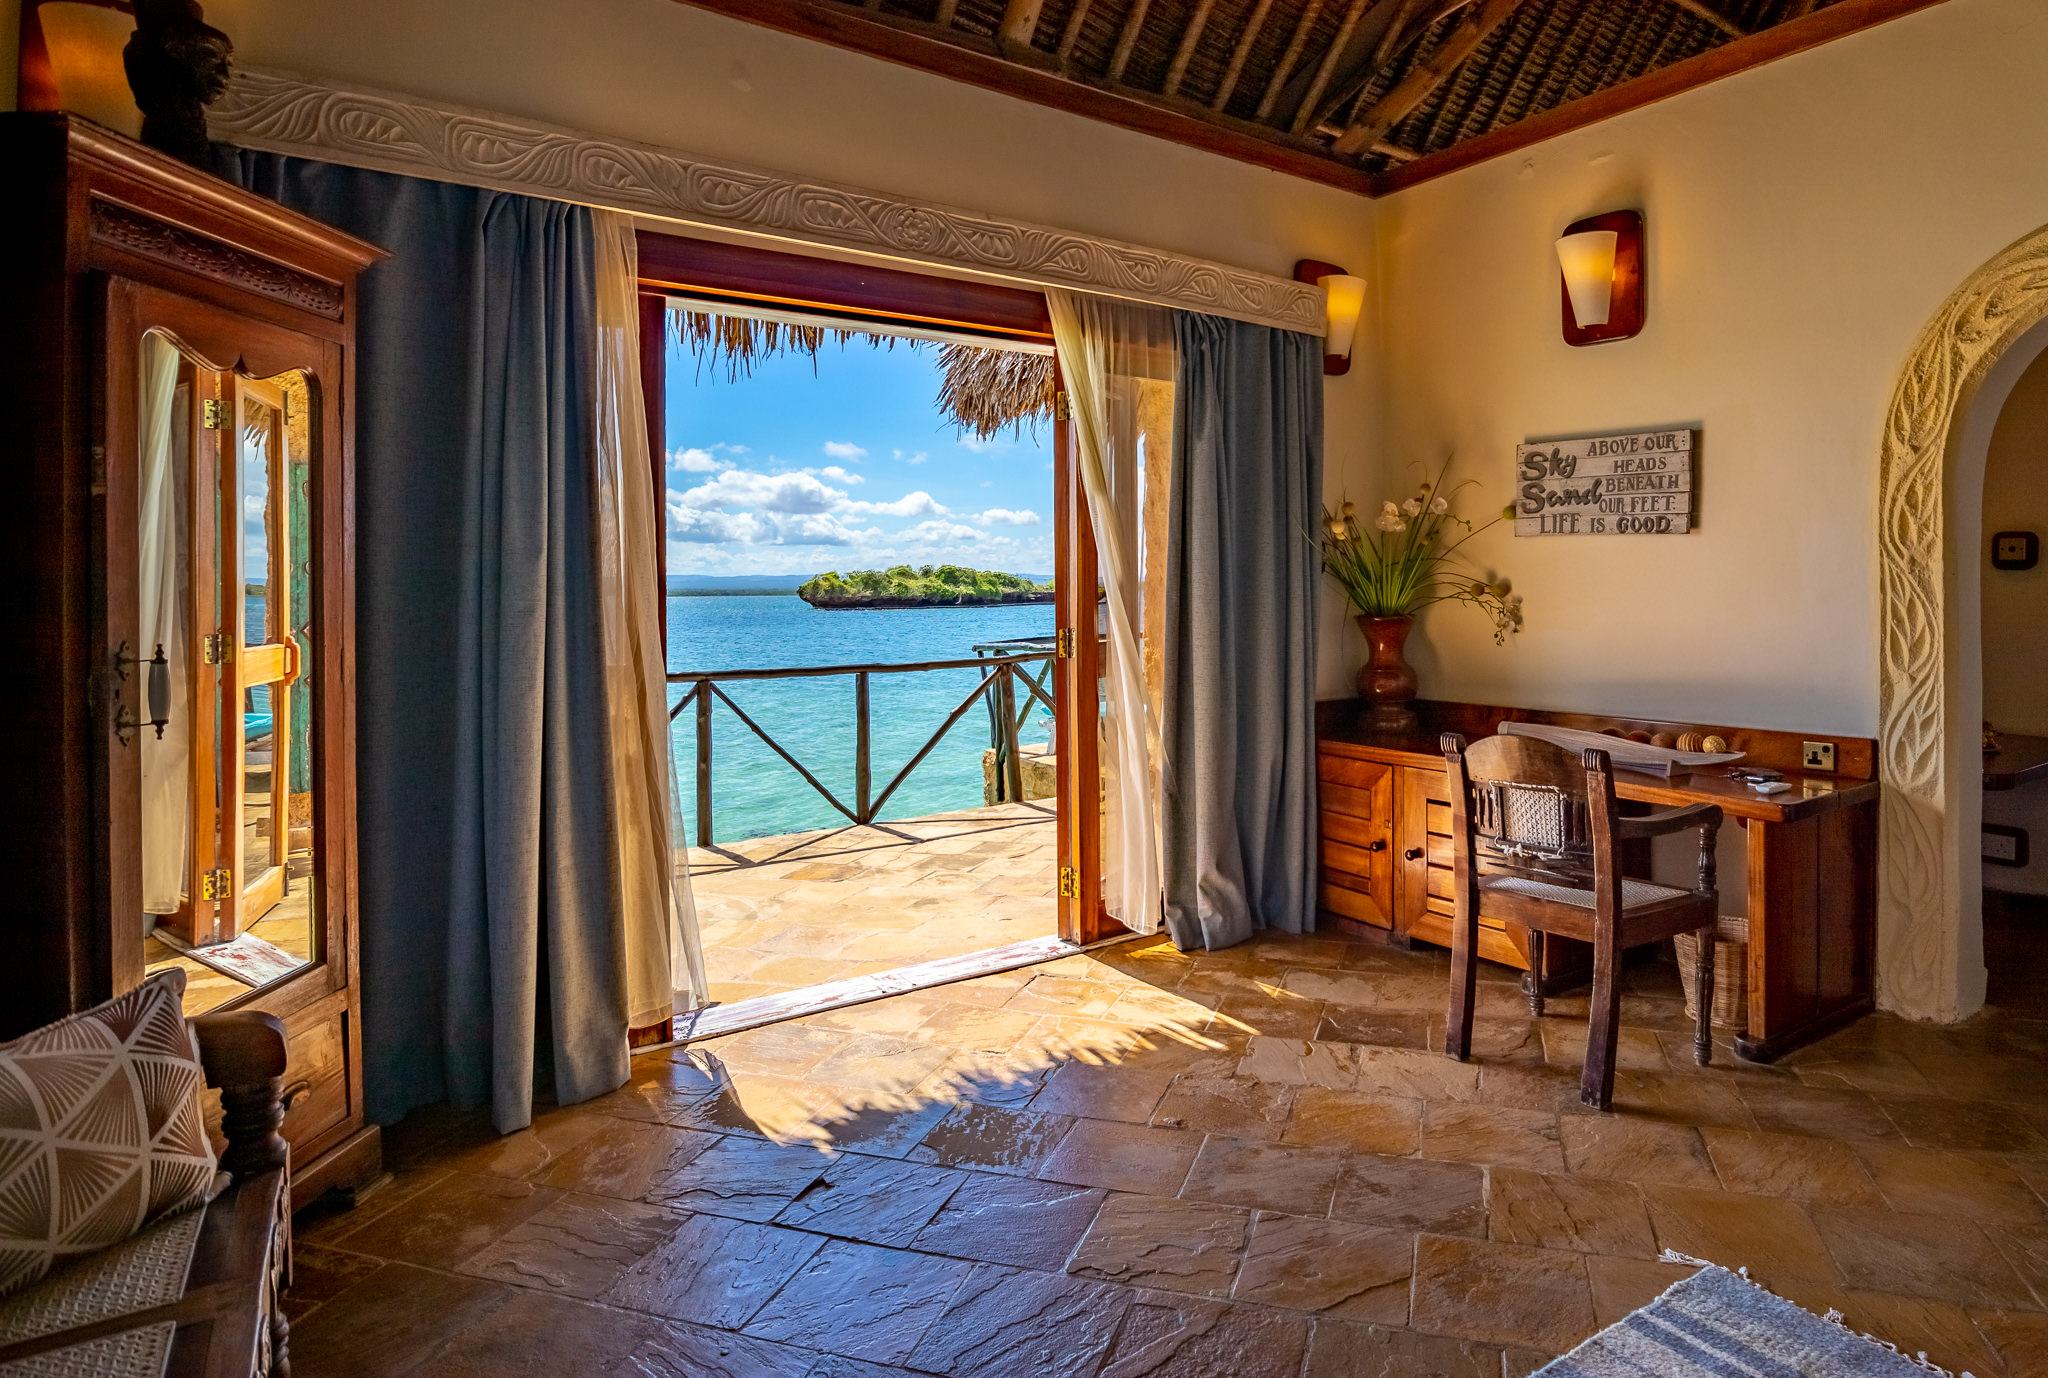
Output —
(1239, 711)
(492, 941)
(1117, 358)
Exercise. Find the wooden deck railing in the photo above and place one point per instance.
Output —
(1001, 675)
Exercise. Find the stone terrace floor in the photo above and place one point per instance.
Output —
(1249, 1163)
(776, 913)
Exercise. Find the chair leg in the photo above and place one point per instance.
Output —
(1464, 982)
(1532, 979)
(1703, 983)
(1596, 1082)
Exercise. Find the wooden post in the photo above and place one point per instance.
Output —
(863, 779)
(1012, 760)
(703, 763)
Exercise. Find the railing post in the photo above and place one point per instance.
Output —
(862, 778)
(703, 763)
(1006, 709)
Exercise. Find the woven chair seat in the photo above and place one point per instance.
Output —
(1634, 893)
(147, 1270)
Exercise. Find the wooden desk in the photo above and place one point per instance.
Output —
(1812, 856)
(2018, 761)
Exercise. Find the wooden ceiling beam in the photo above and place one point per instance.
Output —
(1410, 20)
(1416, 87)
(1766, 45)
(1328, 66)
(1309, 14)
(1701, 9)
(1072, 33)
(1020, 22)
(1190, 39)
(1240, 53)
(1127, 40)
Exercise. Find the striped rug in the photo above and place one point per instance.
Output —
(1717, 1325)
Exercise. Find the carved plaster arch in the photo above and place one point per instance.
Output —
(1930, 961)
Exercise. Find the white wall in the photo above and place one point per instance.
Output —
(2015, 613)
(1805, 221)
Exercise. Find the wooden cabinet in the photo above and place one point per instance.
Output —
(178, 555)
(1810, 890)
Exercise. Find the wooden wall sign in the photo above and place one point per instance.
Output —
(1638, 483)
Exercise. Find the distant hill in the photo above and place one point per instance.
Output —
(943, 586)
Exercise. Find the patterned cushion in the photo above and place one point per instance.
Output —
(100, 1129)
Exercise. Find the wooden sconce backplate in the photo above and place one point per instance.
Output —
(1631, 281)
(1315, 270)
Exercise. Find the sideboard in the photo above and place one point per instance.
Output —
(1811, 887)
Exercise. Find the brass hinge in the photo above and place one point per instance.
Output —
(1062, 406)
(219, 648)
(1063, 644)
(1070, 883)
(216, 884)
(216, 413)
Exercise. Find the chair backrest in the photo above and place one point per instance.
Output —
(1534, 808)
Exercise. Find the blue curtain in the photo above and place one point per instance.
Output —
(492, 947)
(1240, 671)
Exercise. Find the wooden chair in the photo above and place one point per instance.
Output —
(1538, 841)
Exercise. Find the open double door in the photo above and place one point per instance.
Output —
(226, 654)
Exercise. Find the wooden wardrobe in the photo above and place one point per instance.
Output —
(177, 596)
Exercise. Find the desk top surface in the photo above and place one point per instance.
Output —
(1339, 730)
(2018, 761)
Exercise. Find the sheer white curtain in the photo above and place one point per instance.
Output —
(664, 959)
(160, 534)
(1117, 358)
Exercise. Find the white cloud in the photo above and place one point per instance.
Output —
(839, 475)
(917, 458)
(746, 488)
(708, 526)
(844, 449)
(1005, 516)
(918, 504)
(977, 444)
(696, 460)
(935, 533)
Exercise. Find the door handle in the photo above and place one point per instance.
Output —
(1413, 854)
(1379, 846)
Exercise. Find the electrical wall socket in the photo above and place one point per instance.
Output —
(1818, 755)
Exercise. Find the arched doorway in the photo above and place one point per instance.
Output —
(1930, 678)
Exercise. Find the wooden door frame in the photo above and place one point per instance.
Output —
(675, 264)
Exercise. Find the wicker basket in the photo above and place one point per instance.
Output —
(1731, 972)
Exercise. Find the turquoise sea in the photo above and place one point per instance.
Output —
(754, 792)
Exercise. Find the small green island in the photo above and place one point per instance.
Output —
(933, 586)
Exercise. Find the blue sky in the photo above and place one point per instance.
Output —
(796, 471)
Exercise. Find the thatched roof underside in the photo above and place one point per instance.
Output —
(981, 391)
(1371, 84)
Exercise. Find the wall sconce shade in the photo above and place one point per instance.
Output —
(1343, 304)
(1600, 262)
(71, 59)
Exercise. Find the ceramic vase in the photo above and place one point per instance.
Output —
(1387, 681)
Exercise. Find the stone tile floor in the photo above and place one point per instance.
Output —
(776, 913)
(1251, 1163)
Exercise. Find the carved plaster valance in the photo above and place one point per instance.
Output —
(277, 112)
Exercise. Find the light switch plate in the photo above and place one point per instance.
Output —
(2005, 846)
(2015, 550)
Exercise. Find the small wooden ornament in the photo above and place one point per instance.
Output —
(1689, 741)
(1662, 739)
(1714, 744)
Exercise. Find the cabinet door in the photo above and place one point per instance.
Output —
(1355, 828)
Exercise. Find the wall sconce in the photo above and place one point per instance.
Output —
(1343, 304)
(1601, 272)
(71, 60)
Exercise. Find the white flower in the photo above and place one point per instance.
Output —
(1413, 507)
(1391, 519)
(1439, 506)
(1388, 509)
